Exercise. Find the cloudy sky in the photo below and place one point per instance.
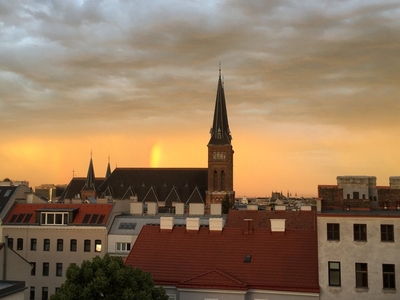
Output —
(312, 88)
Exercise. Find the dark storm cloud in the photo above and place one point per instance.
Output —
(333, 62)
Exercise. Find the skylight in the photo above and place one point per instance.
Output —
(247, 258)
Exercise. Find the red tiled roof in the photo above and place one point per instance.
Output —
(82, 211)
(261, 219)
(279, 261)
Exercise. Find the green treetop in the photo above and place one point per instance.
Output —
(108, 278)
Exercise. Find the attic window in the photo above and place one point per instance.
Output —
(100, 220)
(7, 193)
(86, 218)
(247, 258)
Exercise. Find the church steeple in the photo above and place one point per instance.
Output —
(220, 153)
(220, 133)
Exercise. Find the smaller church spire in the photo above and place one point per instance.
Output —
(90, 178)
(108, 172)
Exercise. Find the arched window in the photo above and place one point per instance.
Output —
(215, 187)
(222, 181)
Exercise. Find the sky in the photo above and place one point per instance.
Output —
(312, 88)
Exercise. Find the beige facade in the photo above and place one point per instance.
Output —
(358, 257)
(50, 249)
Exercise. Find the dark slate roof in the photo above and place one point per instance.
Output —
(280, 261)
(156, 184)
(220, 133)
(75, 187)
(6, 193)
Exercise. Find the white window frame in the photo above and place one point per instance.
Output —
(45, 216)
(122, 246)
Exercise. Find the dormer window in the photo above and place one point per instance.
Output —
(54, 218)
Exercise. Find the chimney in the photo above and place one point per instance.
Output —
(136, 208)
(152, 208)
(278, 225)
(252, 207)
(29, 198)
(167, 223)
(179, 208)
(216, 209)
(305, 207)
(196, 209)
(216, 224)
(248, 226)
(192, 224)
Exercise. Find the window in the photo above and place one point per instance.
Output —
(45, 293)
(72, 247)
(360, 232)
(33, 270)
(222, 181)
(387, 233)
(20, 244)
(10, 243)
(46, 245)
(97, 246)
(389, 281)
(60, 244)
(334, 273)
(333, 231)
(86, 246)
(32, 293)
(45, 269)
(57, 289)
(123, 247)
(361, 275)
(52, 218)
(33, 244)
(215, 181)
(356, 195)
(59, 267)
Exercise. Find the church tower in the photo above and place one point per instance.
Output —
(220, 153)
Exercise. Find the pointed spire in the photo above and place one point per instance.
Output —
(108, 172)
(90, 178)
(220, 133)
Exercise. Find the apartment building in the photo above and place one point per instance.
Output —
(358, 239)
(53, 236)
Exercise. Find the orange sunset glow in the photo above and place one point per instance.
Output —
(312, 90)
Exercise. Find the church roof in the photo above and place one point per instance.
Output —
(157, 184)
(220, 133)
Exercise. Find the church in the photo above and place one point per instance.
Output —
(166, 186)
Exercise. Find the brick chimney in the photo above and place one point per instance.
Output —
(248, 226)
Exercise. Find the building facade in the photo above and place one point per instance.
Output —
(358, 239)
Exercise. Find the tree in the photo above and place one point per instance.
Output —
(227, 204)
(108, 278)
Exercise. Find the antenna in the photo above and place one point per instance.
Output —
(219, 68)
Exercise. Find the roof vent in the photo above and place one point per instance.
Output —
(278, 225)
(166, 223)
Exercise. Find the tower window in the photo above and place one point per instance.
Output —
(222, 181)
(215, 179)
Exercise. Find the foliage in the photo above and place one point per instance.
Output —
(227, 204)
(108, 278)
